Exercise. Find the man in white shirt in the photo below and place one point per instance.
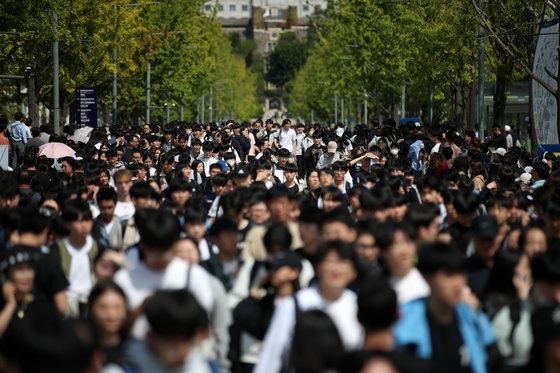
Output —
(207, 158)
(123, 180)
(286, 137)
(159, 268)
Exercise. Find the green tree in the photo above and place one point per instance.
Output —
(286, 58)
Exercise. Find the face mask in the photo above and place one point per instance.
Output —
(394, 151)
(231, 163)
(188, 133)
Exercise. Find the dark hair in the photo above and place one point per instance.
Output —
(141, 190)
(339, 214)
(277, 237)
(334, 192)
(220, 180)
(175, 313)
(545, 266)
(195, 216)
(386, 233)
(316, 344)
(73, 209)
(158, 229)
(222, 224)
(32, 222)
(377, 305)
(438, 256)
(278, 191)
(421, 215)
(465, 203)
(106, 194)
(344, 250)
(501, 275)
(542, 170)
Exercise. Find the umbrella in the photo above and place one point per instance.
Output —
(56, 150)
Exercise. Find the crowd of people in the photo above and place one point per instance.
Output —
(268, 247)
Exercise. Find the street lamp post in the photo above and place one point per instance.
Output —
(148, 88)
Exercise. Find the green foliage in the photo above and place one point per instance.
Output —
(284, 61)
(186, 49)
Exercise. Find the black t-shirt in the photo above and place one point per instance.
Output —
(477, 274)
(449, 353)
(49, 276)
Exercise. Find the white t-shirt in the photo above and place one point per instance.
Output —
(207, 163)
(140, 282)
(343, 312)
(79, 275)
(410, 287)
(286, 139)
(124, 210)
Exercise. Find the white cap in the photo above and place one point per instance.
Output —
(524, 178)
(507, 128)
(500, 151)
(332, 146)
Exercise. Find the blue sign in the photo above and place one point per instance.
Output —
(86, 106)
(404, 121)
(552, 148)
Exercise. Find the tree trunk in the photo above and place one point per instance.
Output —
(106, 113)
(33, 99)
(532, 129)
(500, 97)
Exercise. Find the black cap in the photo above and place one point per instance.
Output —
(240, 172)
(18, 254)
(485, 226)
(285, 258)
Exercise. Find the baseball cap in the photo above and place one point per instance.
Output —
(507, 128)
(332, 146)
(485, 226)
(240, 172)
(500, 151)
(285, 259)
(524, 178)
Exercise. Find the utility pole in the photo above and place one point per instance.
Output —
(335, 108)
(342, 109)
(56, 95)
(210, 108)
(148, 76)
(480, 97)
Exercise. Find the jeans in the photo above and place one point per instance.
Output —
(18, 151)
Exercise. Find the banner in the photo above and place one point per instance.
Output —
(86, 106)
(544, 103)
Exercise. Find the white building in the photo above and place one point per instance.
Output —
(236, 9)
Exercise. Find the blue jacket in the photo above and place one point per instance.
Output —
(475, 328)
